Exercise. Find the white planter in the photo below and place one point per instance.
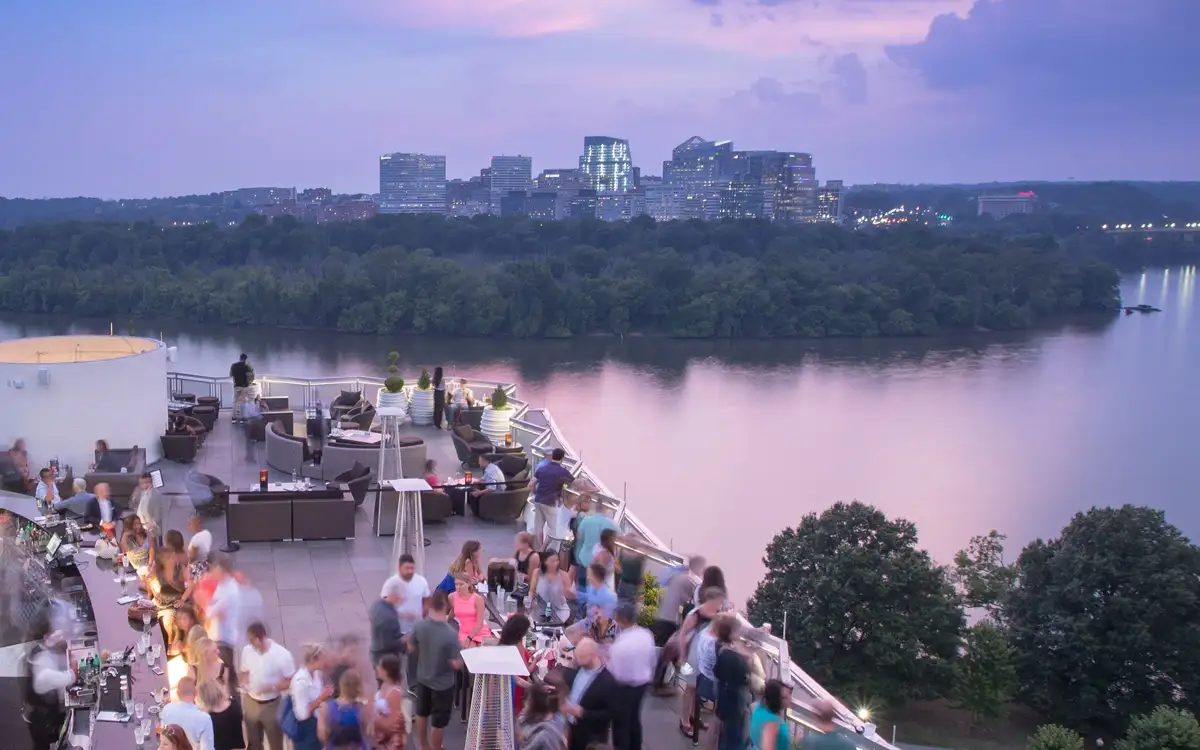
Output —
(385, 400)
(421, 408)
(495, 424)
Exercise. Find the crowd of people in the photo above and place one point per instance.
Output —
(245, 691)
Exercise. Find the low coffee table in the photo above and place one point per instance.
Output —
(362, 437)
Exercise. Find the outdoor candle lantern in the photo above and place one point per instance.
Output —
(508, 439)
(468, 477)
(262, 479)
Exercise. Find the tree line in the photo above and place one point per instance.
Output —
(523, 278)
(1097, 630)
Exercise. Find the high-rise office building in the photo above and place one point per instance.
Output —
(542, 204)
(412, 184)
(563, 178)
(702, 169)
(607, 163)
(795, 191)
(508, 174)
(829, 202)
(663, 202)
(467, 198)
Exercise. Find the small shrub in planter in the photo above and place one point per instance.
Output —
(423, 382)
(499, 399)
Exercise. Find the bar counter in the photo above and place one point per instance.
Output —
(109, 629)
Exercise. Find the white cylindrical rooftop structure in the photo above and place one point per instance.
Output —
(63, 393)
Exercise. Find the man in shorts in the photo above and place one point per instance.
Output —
(549, 479)
(434, 643)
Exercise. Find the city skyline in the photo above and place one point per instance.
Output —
(129, 99)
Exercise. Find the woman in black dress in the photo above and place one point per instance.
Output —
(226, 713)
(439, 397)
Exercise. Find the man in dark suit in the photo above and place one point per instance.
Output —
(594, 698)
(100, 509)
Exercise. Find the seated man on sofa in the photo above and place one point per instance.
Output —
(493, 481)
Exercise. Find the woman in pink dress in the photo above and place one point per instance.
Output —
(468, 610)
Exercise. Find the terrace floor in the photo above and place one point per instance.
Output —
(314, 591)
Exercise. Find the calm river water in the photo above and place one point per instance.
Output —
(719, 445)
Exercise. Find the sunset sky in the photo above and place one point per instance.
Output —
(126, 98)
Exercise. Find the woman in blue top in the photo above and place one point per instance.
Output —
(343, 723)
(768, 723)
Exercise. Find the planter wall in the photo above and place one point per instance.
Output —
(421, 407)
(385, 400)
(495, 424)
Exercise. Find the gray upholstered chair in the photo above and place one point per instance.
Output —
(346, 401)
(209, 495)
(502, 507)
(180, 448)
(285, 452)
(357, 479)
(413, 453)
(207, 415)
(339, 457)
(470, 444)
(109, 465)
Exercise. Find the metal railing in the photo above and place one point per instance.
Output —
(535, 429)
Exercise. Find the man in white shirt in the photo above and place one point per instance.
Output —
(149, 507)
(196, 724)
(201, 542)
(414, 595)
(459, 398)
(266, 672)
(46, 491)
(223, 613)
(492, 481)
(631, 660)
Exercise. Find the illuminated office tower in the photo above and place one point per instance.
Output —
(607, 163)
(829, 202)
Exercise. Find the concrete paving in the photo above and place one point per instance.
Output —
(319, 590)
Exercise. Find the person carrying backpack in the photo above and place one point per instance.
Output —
(343, 723)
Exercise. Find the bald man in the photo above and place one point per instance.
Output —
(594, 698)
(196, 724)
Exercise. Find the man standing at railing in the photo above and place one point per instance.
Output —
(242, 374)
(549, 479)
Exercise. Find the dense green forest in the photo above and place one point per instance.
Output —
(517, 277)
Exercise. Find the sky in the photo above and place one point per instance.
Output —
(132, 98)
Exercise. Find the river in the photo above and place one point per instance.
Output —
(719, 445)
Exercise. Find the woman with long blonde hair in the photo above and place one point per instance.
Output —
(469, 562)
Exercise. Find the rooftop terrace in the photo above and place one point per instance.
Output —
(320, 589)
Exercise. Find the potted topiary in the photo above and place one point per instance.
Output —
(392, 395)
(496, 421)
(421, 409)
